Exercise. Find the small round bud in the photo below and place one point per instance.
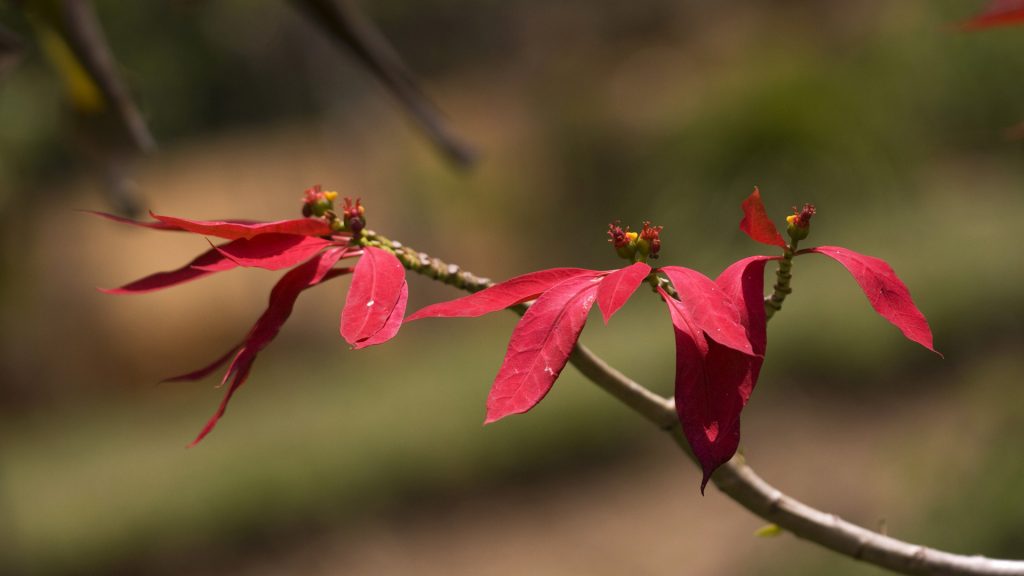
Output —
(799, 223)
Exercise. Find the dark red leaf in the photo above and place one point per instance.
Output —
(203, 265)
(756, 222)
(887, 294)
(997, 13)
(234, 230)
(710, 308)
(282, 301)
(273, 251)
(540, 346)
(618, 286)
(743, 282)
(500, 296)
(713, 384)
(377, 286)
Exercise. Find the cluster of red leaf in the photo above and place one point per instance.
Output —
(311, 247)
(719, 326)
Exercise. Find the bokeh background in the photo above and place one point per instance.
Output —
(896, 125)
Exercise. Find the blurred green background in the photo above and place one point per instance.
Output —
(374, 462)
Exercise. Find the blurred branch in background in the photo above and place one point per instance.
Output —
(344, 23)
(109, 128)
(10, 50)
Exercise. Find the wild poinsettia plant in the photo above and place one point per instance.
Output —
(719, 325)
(311, 247)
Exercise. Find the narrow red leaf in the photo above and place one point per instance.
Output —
(205, 264)
(500, 296)
(743, 282)
(713, 384)
(393, 324)
(282, 301)
(152, 225)
(618, 286)
(887, 294)
(540, 346)
(997, 13)
(710, 308)
(756, 222)
(377, 286)
(205, 370)
(273, 251)
(233, 230)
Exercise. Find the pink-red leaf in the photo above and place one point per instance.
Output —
(273, 251)
(887, 294)
(377, 286)
(282, 301)
(540, 346)
(713, 384)
(997, 13)
(743, 282)
(234, 230)
(500, 296)
(618, 286)
(710, 308)
(756, 222)
(203, 265)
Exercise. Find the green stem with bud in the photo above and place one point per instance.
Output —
(783, 276)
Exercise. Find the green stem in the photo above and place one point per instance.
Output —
(783, 276)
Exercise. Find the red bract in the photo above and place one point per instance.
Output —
(887, 294)
(544, 338)
(997, 13)
(373, 308)
(756, 222)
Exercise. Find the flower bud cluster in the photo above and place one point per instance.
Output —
(634, 246)
(799, 223)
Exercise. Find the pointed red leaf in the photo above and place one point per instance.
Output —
(203, 265)
(756, 222)
(710, 308)
(618, 286)
(273, 251)
(997, 13)
(233, 230)
(540, 346)
(500, 296)
(282, 301)
(393, 324)
(152, 225)
(887, 294)
(713, 384)
(743, 282)
(205, 370)
(377, 286)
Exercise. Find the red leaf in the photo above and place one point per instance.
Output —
(205, 370)
(997, 13)
(713, 384)
(273, 251)
(153, 225)
(710, 308)
(203, 265)
(394, 322)
(282, 301)
(756, 222)
(618, 286)
(540, 346)
(500, 296)
(887, 294)
(743, 282)
(233, 230)
(377, 286)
